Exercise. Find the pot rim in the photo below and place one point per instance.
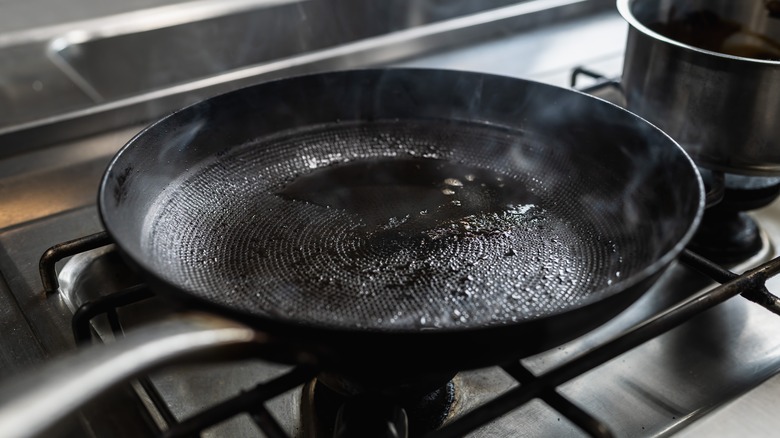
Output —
(624, 7)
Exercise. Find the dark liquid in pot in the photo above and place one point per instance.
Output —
(706, 30)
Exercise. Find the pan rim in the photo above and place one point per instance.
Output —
(274, 321)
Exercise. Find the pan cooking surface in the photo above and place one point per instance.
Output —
(393, 226)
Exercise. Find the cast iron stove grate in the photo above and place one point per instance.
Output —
(543, 386)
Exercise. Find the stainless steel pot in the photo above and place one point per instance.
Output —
(692, 68)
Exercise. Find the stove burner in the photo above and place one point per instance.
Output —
(727, 235)
(326, 412)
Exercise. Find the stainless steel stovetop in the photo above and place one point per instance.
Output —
(715, 375)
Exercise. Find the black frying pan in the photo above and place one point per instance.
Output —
(403, 221)
(389, 226)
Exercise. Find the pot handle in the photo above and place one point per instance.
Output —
(36, 401)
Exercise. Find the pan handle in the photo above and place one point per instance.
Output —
(35, 402)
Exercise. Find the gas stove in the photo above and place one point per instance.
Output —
(718, 365)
